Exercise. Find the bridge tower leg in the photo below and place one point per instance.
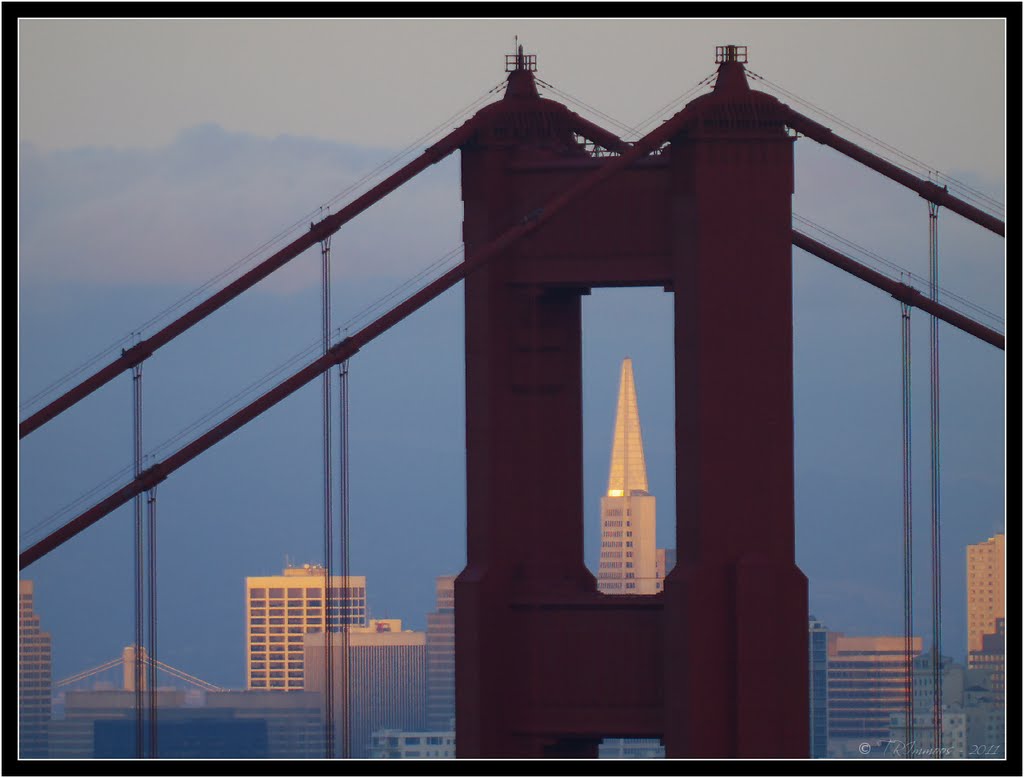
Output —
(736, 604)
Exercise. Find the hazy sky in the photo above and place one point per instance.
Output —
(934, 88)
(157, 153)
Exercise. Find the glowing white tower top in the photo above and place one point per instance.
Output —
(628, 472)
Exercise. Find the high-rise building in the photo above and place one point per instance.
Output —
(441, 657)
(281, 609)
(867, 682)
(34, 678)
(388, 682)
(985, 589)
(990, 660)
(817, 667)
(631, 562)
(629, 556)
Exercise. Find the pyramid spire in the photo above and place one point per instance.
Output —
(628, 473)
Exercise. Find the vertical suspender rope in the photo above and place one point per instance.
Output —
(908, 538)
(151, 665)
(350, 615)
(933, 290)
(325, 257)
(137, 457)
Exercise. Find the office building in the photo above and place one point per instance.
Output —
(867, 683)
(227, 725)
(34, 677)
(972, 718)
(388, 682)
(990, 660)
(817, 667)
(441, 657)
(629, 558)
(396, 744)
(921, 743)
(281, 609)
(985, 589)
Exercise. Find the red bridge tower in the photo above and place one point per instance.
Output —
(716, 665)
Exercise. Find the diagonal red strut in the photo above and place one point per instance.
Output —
(351, 345)
(142, 350)
(928, 190)
(346, 348)
(900, 291)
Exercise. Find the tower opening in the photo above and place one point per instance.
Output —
(629, 434)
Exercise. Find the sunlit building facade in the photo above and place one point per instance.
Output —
(867, 683)
(629, 556)
(281, 609)
(986, 585)
(34, 678)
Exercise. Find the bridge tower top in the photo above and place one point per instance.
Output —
(520, 68)
(732, 77)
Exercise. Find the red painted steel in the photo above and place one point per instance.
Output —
(928, 190)
(900, 291)
(318, 232)
(716, 665)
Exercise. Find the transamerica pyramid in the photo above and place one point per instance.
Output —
(628, 473)
(630, 562)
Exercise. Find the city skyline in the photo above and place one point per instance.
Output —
(840, 719)
(253, 498)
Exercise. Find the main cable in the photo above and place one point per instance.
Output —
(910, 164)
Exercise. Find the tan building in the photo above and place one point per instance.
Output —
(629, 556)
(867, 683)
(985, 589)
(281, 609)
(34, 678)
(388, 686)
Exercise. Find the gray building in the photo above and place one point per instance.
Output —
(230, 724)
(387, 685)
(817, 666)
(441, 657)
